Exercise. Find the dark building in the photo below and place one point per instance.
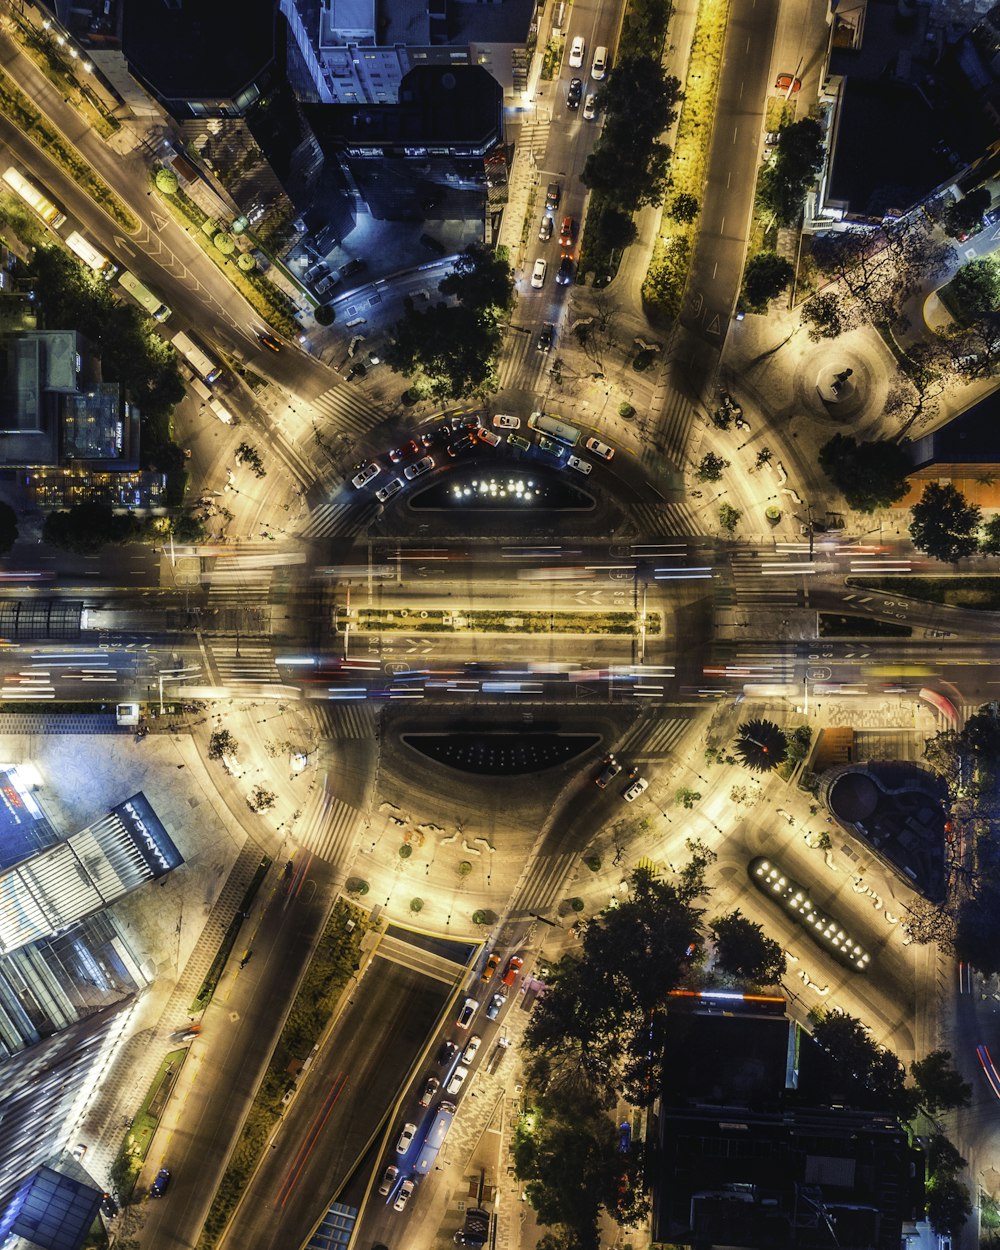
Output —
(964, 452)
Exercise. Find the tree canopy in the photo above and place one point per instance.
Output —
(766, 276)
(866, 1074)
(785, 179)
(977, 286)
(868, 475)
(965, 216)
(86, 527)
(944, 523)
(745, 951)
(939, 1086)
(760, 745)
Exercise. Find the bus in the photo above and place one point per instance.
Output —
(144, 296)
(434, 1139)
(206, 367)
(50, 213)
(90, 256)
(555, 428)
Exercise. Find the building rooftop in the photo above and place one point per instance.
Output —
(970, 438)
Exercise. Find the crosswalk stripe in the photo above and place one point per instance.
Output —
(546, 883)
(328, 827)
(346, 720)
(333, 520)
(654, 734)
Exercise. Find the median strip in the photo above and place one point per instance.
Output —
(482, 621)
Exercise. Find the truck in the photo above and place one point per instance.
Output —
(435, 1137)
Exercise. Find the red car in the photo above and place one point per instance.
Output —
(566, 232)
(514, 965)
(412, 448)
(785, 82)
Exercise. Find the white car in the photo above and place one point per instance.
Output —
(388, 1179)
(458, 1080)
(581, 466)
(632, 792)
(600, 449)
(366, 474)
(577, 49)
(600, 65)
(422, 466)
(502, 421)
(475, 1041)
(590, 107)
(469, 1009)
(388, 490)
(538, 274)
(406, 1138)
(403, 1197)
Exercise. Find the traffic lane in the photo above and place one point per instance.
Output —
(240, 1028)
(350, 1088)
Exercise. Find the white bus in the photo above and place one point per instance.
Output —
(49, 212)
(206, 366)
(89, 254)
(143, 296)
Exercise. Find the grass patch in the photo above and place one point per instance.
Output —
(207, 989)
(979, 591)
(135, 1146)
(438, 621)
(337, 957)
(832, 625)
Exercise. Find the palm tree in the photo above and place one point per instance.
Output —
(761, 745)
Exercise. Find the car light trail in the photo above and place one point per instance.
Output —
(680, 575)
(989, 1070)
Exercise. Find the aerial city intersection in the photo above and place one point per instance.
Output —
(500, 517)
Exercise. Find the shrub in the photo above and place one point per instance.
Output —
(576, 904)
(593, 862)
(626, 411)
(405, 851)
(416, 904)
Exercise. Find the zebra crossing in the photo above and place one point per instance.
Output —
(654, 738)
(246, 577)
(546, 883)
(533, 139)
(348, 409)
(243, 661)
(762, 664)
(328, 826)
(666, 518)
(346, 720)
(751, 584)
(675, 422)
(335, 520)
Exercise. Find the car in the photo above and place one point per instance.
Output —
(632, 792)
(496, 1002)
(624, 1137)
(403, 1197)
(504, 421)
(545, 229)
(406, 1138)
(600, 65)
(415, 470)
(581, 466)
(590, 107)
(788, 82)
(575, 94)
(457, 1079)
(387, 491)
(551, 446)
(367, 474)
(545, 338)
(564, 276)
(566, 232)
(466, 422)
(353, 267)
(446, 1052)
(412, 448)
(109, 1206)
(269, 341)
(160, 1186)
(488, 437)
(472, 1048)
(771, 138)
(538, 274)
(427, 1093)
(552, 194)
(491, 966)
(608, 773)
(517, 441)
(469, 1009)
(465, 443)
(388, 1179)
(186, 1035)
(514, 966)
(600, 449)
(576, 51)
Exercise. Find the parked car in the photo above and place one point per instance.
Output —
(600, 449)
(551, 446)
(545, 229)
(538, 274)
(632, 792)
(504, 421)
(433, 245)
(576, 51)
(388, 1179)
(406, 1138)
(517, 441)
(366, 474)
(575, 94)
(786, 82)
(458, 1079)
(415, 470)
(353, 267)
(608, 773)
(581, 466)
(771, 138)
(446, 1052)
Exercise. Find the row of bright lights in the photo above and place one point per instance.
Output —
(795, 899)
(74, 52)
(522, 491)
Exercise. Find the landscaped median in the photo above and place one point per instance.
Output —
(337, 957)
(493, 621)
(16, 106)
(979, 591)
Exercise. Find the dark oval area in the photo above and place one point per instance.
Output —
(509, 490)
(501, 754)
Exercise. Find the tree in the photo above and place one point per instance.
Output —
(766, 276)
(617, 229)
(977, 286)
(989, 542)
(480, 279)
(710, 468)
(826, 316)
(865, 1074)
(729, 517)
(744, 950)
(868, 475)
(939, 1086)
(86, 527)
(977, 929)
(222, 743)
(799, 741)
(760, 745)
(965, 216)
(784, 181)
(247, 454)
(687, 798)
(944, 523)
(764, 456)
(684, 207)
(943, 1159)
(948, 1205)
(8, 528)
(261, 800)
